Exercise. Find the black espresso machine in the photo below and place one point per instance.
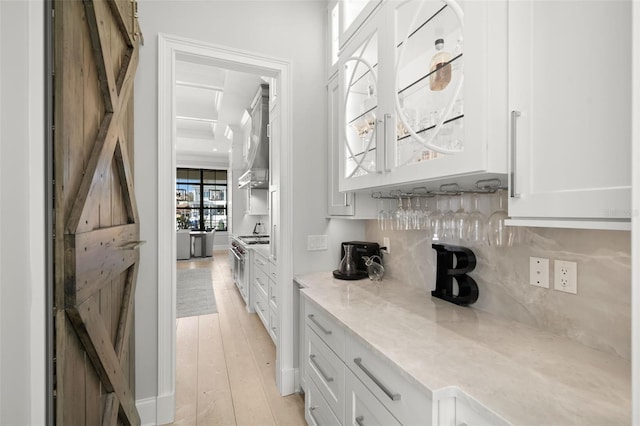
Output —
(360, 250)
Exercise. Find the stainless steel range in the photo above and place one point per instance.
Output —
(241, 257)
(241, 264)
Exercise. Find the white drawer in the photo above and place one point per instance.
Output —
(327, 328)
(326, 370)
(316, 409)
(408, 402)
(273, 271)
(273, 325)
(362, 407)
(261, 306)
(273, 294)
(261, 263)
(261, 281)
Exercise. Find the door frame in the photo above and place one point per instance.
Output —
(169, 46)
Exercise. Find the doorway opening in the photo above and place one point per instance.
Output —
(169, 49)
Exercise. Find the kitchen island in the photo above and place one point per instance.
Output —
(515, 373)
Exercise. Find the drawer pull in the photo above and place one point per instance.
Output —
(311, 410)
(327, 378)
(360, 420)
(315, 321)
(392, 396)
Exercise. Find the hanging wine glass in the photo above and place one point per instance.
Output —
(382, 216)
(399, 216)
(437, 223)
(460, 220)
(408, 223)
(476, 223)
(448, 219)
(499, 235)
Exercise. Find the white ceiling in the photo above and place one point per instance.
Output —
(209, 99)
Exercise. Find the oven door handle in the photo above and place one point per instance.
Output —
(235, 254)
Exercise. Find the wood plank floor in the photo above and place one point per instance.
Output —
(225, 363)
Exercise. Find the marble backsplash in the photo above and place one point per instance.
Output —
(598, 316)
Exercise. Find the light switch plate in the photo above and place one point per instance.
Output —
(539, 272)
(316, 242)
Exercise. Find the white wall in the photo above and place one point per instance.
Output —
(22, 207)
(264, 27)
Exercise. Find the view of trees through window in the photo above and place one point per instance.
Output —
(201, 199)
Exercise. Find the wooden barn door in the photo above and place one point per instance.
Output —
(96, 45)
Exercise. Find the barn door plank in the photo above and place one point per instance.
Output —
(96, 51)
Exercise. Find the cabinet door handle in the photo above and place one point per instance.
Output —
(514, 118)
(387, 117)
(315, 321)
(311, 410)
(360, 420)
(324, 375)
(392, 396)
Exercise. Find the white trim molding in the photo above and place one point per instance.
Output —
(238, 60)
(635, 217)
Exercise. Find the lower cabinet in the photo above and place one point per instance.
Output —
(362, 406)
(264, 294)
(347, 384)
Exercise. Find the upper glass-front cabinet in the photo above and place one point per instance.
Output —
(416, 84)
(345, 17)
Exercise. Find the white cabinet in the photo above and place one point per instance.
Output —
(346, 381)
(362, 407)
(569, 99)
(344, 17)
(342, 204)
(264, 293)
(423, 96)
(458, 409)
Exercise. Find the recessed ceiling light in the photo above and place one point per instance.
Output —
(215, 149)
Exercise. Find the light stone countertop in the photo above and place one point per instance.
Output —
(525, 375)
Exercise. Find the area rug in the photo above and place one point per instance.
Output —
(194, 293)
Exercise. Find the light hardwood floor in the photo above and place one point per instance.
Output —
(225, 363)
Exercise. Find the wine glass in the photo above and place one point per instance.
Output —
(399, 215)
(448, 219)
(407, 221)
(382, 216)
(437, 223)
(499, 235)
(460, 219)
(476, 223)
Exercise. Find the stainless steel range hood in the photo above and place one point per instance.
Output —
(257, 174)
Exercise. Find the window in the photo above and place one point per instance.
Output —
(201, 199)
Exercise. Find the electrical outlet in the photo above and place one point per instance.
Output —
(387, 244)
(566, 276)
(539, 272)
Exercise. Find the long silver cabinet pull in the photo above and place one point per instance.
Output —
(387, 117)
(392, 396)
(360, 420)
(311, 410)
(315, 321)
(514, 118)
(325, 376)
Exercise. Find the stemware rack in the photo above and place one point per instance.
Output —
(483, 186)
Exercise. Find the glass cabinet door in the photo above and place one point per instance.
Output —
(359, 74)
(428, 81)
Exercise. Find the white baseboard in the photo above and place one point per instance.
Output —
(156, 411)
(147, 411)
